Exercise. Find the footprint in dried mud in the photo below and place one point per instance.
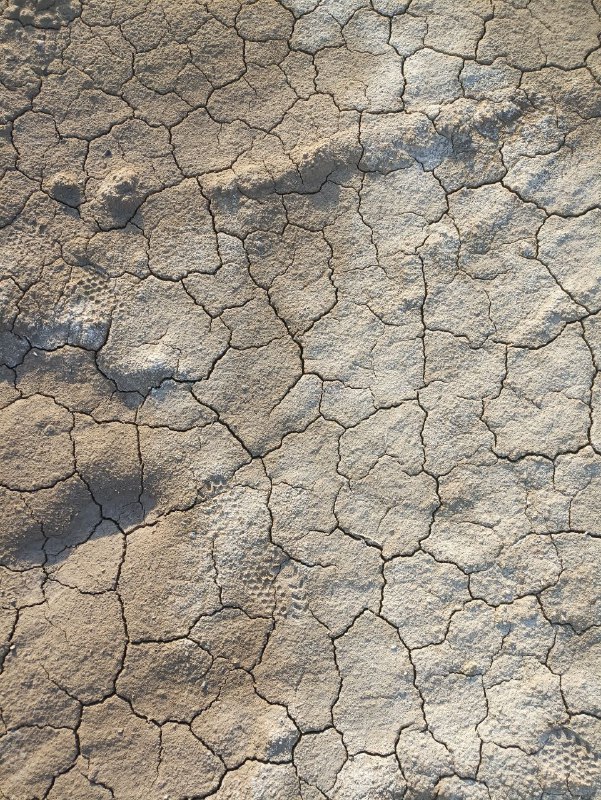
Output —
(67, 305)
(254, 574)
(291, 599)
(568, 766)
(277, 583)
(212, 486)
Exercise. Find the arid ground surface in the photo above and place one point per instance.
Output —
(300, 433)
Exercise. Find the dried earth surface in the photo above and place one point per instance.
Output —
(300, 410)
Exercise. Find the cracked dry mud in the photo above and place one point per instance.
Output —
(300, 411)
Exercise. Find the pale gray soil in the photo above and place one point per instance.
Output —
(300, 416)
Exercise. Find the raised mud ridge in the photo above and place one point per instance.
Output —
(300, 433)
